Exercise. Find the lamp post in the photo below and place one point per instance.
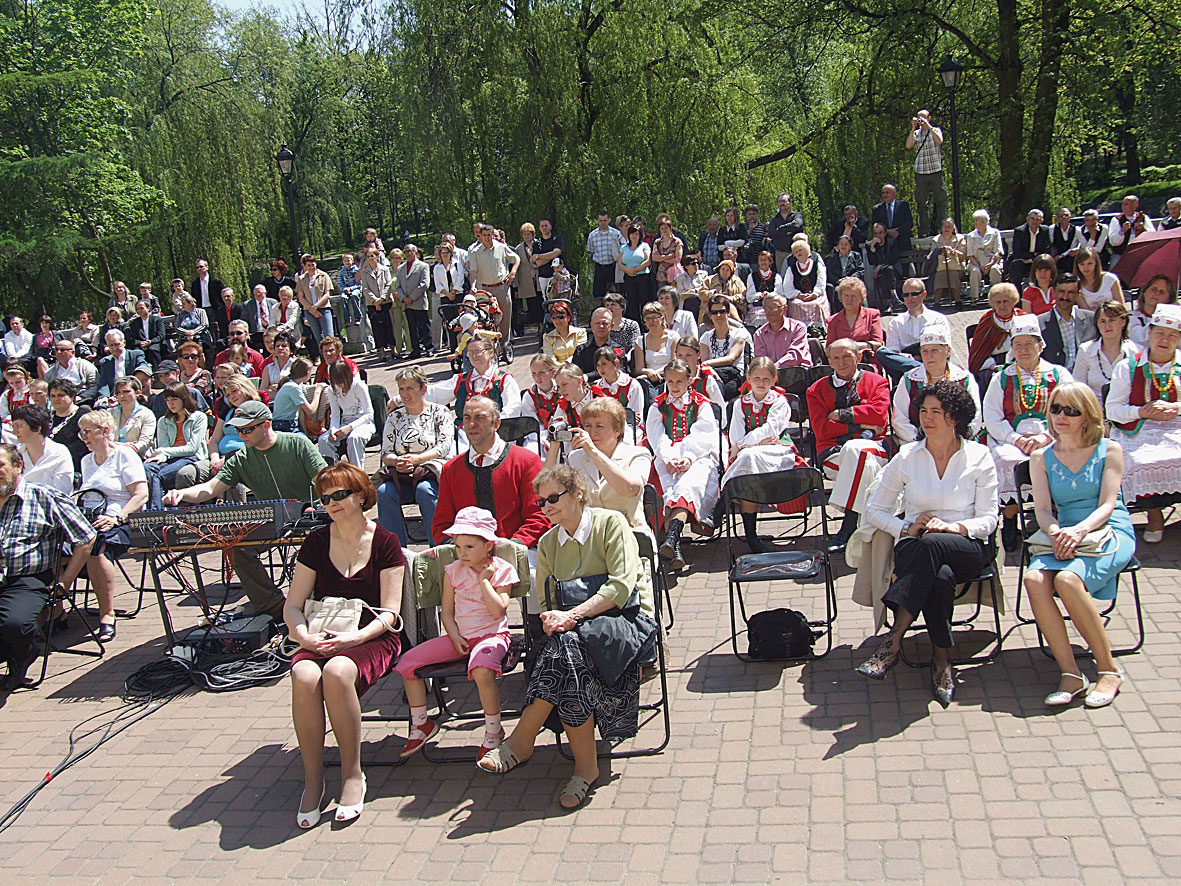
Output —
(286, 160)
(951, 71)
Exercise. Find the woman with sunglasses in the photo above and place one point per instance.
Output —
(1144, 407)
(635, 263)
(1076, 492)
(588, 565)
(724, 346)
(191, 359)
(563, 340)
(356, 559)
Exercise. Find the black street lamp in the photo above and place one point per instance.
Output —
(286, 160)
(951, 72)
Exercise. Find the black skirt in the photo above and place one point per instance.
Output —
(564, 676)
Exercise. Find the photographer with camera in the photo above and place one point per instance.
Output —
(1126, 227)
(928, 171)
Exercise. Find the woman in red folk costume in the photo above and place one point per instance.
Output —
(758, 438)
(1015, 414)
(702, 378)
(574, 392)
(683, 433)
(1144, 407)
(484, 378)
(540, 399)
(989, 348)
(618, 385)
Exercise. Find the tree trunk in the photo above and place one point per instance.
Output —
(1054, 25)
(1011, 151)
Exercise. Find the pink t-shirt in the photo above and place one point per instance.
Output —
(471, 613)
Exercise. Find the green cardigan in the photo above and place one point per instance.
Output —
(611, 549)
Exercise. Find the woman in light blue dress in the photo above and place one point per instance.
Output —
(1076, 491)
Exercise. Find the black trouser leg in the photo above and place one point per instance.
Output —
(22, 597)
(929, 568)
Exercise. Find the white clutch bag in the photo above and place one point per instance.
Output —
(340, 615)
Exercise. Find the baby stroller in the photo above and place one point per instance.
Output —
(479, 315)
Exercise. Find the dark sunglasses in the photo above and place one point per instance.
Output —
(719, 313)
(1059, 409)
(339, 495)
(250, 429)
(551, 499)
(188, 356)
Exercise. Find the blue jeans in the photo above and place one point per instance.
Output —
(896, 363)
(162, 476)
(321, 327)
(389, 507)
(351, 306)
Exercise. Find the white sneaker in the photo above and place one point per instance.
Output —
(1153, 536)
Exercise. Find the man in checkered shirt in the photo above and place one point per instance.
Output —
(604, 243)
(34, 522)
(928, 172)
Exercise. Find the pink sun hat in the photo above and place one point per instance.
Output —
(474, 521)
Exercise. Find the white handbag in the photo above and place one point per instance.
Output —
(340, 615)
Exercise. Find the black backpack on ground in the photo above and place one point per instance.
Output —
(779, 634)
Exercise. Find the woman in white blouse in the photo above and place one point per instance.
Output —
(1096, 286)
(1158, 291)
(351, 415)
(1096, 358)
(680, 323)
(656, 345)
(947, 486)
(47, 462)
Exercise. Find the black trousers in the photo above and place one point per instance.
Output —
(604, 279)
(928, 569)
(383, 329)
(638, 292)
(22, 597)
(420, 330)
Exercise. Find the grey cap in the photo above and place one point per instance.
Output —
(167, 366)
(249, 413)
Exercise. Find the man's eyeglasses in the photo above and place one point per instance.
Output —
(339, 495)
(250, 429)
(542, 501)
(1059, 409)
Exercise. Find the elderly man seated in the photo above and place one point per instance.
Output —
(67, 365)
(782, 339)
(850, 415)
(34, 522)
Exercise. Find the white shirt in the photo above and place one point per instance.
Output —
(488, 457)
(457, 275)
(635, 461)
(1115, 231)
(114, 476)
(720, 348)
(906, 329)
(999, 430)
(581, 534)
(983, 248)
(18, 345)
(510, 393)
(69, 371)
(966, 493)
(352, 407)
(701, 442)
(1092, 367)
(778, 417)
(1118, 408)
(1081, 240)
(203, 285)
(55, 469)
(908, 433)
(1094, 299)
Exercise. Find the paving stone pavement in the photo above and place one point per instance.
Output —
(790, 774)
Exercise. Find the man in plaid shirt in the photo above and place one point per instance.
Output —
(928, 172)
(34, 522)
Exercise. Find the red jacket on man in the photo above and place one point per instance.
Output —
(870, 406)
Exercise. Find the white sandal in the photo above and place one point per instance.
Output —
(1060, 697)
(1099, 699)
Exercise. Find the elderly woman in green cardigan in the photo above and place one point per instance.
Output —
(597, 607)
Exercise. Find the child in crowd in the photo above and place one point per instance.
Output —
(683, 433)
(759, 443)
(575, 393)
(475, 605)
(17, 393)
(465, 322)
(237, 355)
(617, 383)
(540, 399)
(562, 282)
(1038, 296)
(702, 379)
(291, 402)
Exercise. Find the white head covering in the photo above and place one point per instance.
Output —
(935, 335)
(1026, 324)
(1167, 315)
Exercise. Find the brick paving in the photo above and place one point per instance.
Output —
(793, 774)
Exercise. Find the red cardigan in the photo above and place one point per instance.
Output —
(874, 408)
(515, 502)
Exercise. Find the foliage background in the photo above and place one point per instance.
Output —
(137, 135)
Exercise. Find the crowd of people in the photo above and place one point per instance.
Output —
(674, 382)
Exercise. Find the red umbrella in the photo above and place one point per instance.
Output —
(1150, 254)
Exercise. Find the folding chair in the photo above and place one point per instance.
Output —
(517, 430)
(660, 705)
(770, 489)
(66, 597)
(428, 588)
(652, 518)
(1026, 526)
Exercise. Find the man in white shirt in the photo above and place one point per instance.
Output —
(18, 342)
(1127, 226)
(81, 372)
(905, 332)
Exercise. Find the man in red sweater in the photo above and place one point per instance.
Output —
(493, 475)
(850, 415)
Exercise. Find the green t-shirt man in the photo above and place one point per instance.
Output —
(283, 470)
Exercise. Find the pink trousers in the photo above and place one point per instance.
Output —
(486, 652)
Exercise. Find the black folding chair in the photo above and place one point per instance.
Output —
(659, 707)
(517, 430)
(1027, 525)
(67, 599)
(769, 489)
(652, 518)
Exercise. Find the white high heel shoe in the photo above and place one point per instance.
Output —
(1099, 699)
(348, 813)
(1060, 697)
(310, 819)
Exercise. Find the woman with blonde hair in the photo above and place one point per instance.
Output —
(1088, 540)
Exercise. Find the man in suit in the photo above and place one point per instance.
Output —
(120, 362)
(206, 288)
(1029, 241)
(259, 313)
(850, 225)
(1062, 234)
(146, 332)
(1067, 326)
(225, 313)
(68, 365)
(895, 216)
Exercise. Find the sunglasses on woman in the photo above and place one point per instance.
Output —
(339, 495)
(1059, 409)
(719, 313)
(551, 499)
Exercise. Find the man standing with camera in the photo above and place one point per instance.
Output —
(928, 172)
(1126, 227)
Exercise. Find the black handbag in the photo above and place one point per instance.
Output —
(615, 640)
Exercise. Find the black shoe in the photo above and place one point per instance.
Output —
(848, 527)
(943, 685)
(414, 355)
(16, 678)
(757, 545)
(676, 560)
(1009, 534)
(106, 633)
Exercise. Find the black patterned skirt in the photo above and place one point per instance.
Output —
(564, 676)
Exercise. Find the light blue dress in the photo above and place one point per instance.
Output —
(1075, 495)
